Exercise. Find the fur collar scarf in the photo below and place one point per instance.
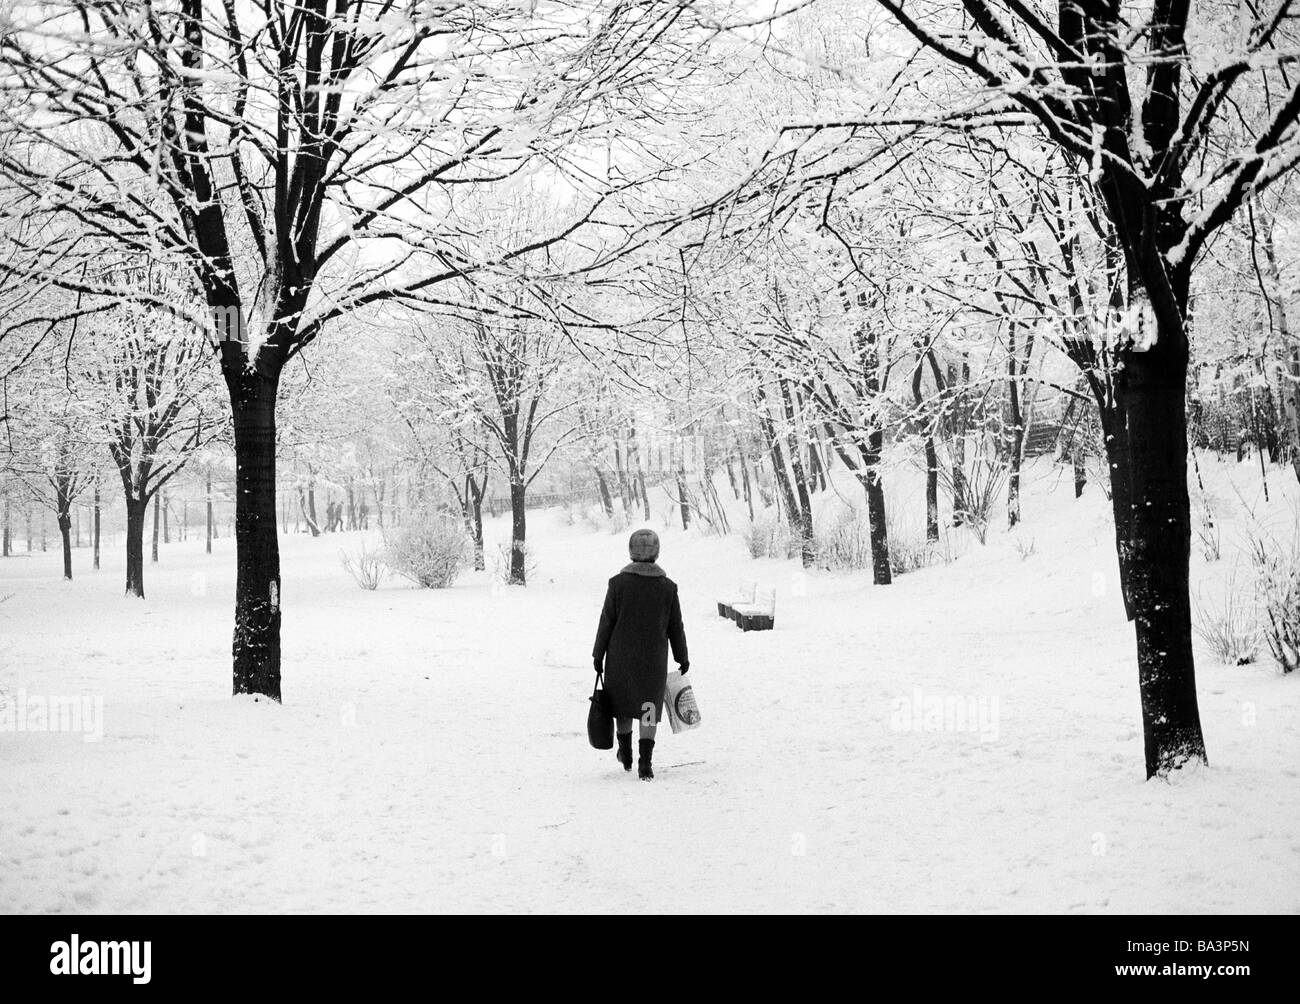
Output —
(645, 568)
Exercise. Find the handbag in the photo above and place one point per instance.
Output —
(679, 699)
(600, 723)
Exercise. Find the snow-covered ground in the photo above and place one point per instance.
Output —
(430, 754)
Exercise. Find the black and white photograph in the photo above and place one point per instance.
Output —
(650, 458)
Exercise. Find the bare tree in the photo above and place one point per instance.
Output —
(151, 378)
(1169, 173)
(301, 164)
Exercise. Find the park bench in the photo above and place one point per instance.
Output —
(753, 609)
(744, 594)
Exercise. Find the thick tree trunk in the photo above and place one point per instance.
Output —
(1013, 479)
(96, 526)
(748, 485)
(518, 532)
(1114, 427)
(157, 505)
(645, 494)
(881, 574)
(135, 510)
(1160, 541)
(65, 532)
(1080, 473)
(782, 478)
(6, 530)
(476, 510)
(256, 644)
(931, 454)
(621, 479)
(802, 519)
(466, 513)
(807, 544)
(816, 467)
(167, 533)
(606, 500)
(312, 528)
(1290, 402)
(1295, 411)
(960, 493)
(931, 490)
(957, 379)
(1016, 439)
(730, 465)
(867, 469)
(785, 487)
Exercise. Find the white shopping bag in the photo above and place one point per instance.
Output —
(679, 701)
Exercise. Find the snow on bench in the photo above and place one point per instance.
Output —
(753, 609)
(744, 595)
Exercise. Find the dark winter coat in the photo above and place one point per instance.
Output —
(641, 620)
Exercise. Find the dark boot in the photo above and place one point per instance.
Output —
(647, 749)
(625, 750)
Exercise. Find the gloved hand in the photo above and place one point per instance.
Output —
(683, 668)
(599, 668)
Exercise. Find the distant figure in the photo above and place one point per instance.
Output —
(641, 619)
(365, 516)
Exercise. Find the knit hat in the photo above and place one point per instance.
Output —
(644, 546)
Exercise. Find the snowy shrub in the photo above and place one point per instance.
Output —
(984, 478)
(908, 552)
(984, 486)
(595, 518)
(431, 551)
(1230, 630)
(1277, 593)
(844, 544)
(365, 566)
(768, 537)
(1025, 547)
(501, 563)
(952, 544)
(1207, 534)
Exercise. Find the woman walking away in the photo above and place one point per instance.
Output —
(641, 619)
